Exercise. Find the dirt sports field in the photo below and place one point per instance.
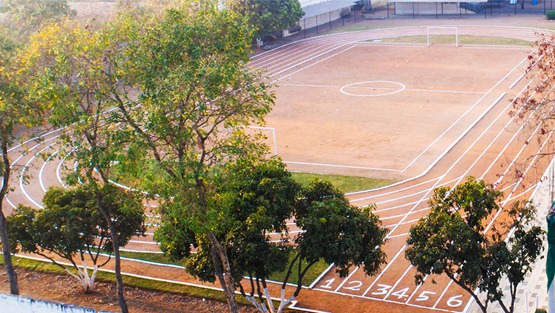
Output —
(351, 104)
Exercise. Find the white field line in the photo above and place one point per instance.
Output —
(42, 169)
(458, 160)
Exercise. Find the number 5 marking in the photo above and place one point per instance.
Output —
(424, 295)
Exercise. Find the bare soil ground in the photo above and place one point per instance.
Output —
(65, 289)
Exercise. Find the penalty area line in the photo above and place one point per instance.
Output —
(344, 166)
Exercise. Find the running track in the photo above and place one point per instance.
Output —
(491, 149)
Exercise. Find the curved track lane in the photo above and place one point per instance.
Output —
(493, 147)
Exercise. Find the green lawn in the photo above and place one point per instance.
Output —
(310, 276)
(344, 183)
(463, 40)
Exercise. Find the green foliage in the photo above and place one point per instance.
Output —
(15, 110)
(256, 199)
(269, 17)
(540, 311)
(450, 240)
(31, 14)
(344, 183)
(188, 71)
(70, 225)
(338, 232)
(550, 15)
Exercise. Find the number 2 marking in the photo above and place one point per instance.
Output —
(354, 285)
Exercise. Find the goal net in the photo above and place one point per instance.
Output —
(442, 35)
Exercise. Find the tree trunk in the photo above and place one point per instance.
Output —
(223, 272)
(117, 260)
(12, 275)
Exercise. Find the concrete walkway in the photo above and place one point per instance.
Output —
(532, 293)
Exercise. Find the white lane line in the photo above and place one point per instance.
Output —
(389, 264)
(386, 88)
(43, 167)
(342, 166)
(22, 177)
(397, 282)
(449, 170)
(488, 109)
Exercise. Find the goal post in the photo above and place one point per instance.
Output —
(442, 31)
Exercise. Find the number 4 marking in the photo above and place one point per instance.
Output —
(400, 294)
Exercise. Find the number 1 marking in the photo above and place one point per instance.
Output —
(328, 283)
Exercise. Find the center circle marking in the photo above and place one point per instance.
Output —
(373, 88)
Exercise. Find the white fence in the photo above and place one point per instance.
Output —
(17, 304)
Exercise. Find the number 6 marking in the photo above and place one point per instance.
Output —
(454, 301)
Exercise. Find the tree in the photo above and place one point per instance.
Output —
(29, 15)
(269, 17)
(258, 198)
(188, 72)
(514, 257)
(17, 116)
(451, 240)
(12, 109)
(68, 71)
(72, 228)
(535, 105)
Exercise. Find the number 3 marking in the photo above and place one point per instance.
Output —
(382, 290)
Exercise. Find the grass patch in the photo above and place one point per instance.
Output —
(310, 276)
(344, 183)
(151, 257)
(129, 281)
(154, 285)
(463, 40)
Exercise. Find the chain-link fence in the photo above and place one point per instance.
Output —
(328, 22)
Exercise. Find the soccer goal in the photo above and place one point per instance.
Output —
(444, 32)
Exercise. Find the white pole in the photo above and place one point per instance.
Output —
(550, 294)
(550, 300)
(526, 300)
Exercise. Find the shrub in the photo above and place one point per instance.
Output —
(541, 311)
(550, 15)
